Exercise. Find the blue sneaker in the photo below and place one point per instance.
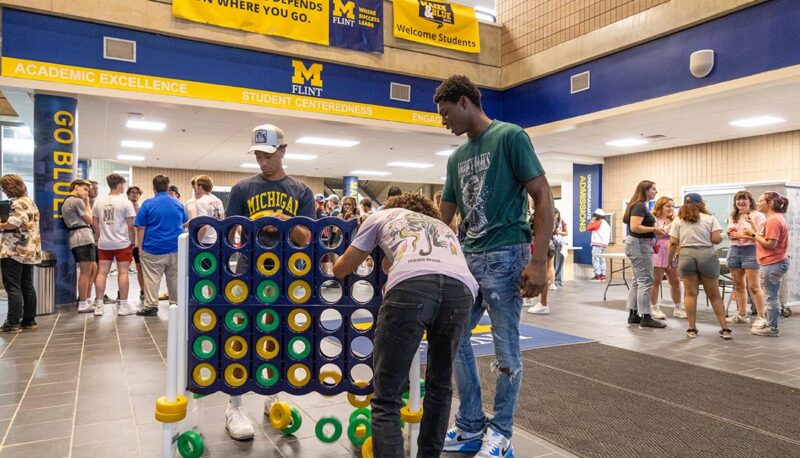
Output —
(495, 445)
(457, 440)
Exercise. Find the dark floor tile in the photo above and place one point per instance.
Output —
(48, 400)
(55, 448)
(92, 416)
(110, 449)
(10, 399)
(102, 432)
(13, 387)
(115, 400)
(52, 388)
(39, 432)
(6, 412)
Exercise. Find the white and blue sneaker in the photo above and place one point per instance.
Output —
(457, 440)
(495, 445)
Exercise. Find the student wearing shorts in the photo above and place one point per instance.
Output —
(77, 214)
(696, 232)
(742, 260)
(664, 212)
(114, 233)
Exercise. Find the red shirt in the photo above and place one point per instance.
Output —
(775, 228)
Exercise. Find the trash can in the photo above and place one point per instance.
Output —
(44, 281)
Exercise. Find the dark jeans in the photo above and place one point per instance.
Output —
(18, 281)
(438, 305)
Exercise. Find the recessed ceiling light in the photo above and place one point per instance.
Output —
(136, 144)
(757, 121)
(410, 165)
(299, 157)
(370, 172)
(249, 165)
(145, 125)
(130, 157)
(445, 153)
(626, 142)
(327, 142)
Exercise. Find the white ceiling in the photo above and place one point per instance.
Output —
(700, 119)
(217, 139)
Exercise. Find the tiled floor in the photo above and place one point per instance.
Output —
(86, 386)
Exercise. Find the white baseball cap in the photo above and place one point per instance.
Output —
(600, 212)
(266, 138)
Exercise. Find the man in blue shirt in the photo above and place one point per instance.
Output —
(158, 224)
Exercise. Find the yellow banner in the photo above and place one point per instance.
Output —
(56, 73)
(304, 20)
(441, 24)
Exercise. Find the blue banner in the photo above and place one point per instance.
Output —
(587, 183)
(357, 25)
(55, 130)
(350, 186)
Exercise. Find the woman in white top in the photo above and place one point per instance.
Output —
(742, 260)
(696, 232)
(664, 211)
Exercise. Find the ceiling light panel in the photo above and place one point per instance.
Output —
(410, 165)
(627, 142)
(327, 142)
(130, 157)
(757, 121)
(145, 125)
(136, 144)
(299, 157)
(445, 153)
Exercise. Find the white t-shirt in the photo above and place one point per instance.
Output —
(695, 234)
(416, 244)
(602, 236)
(209, 205)
(112, 213)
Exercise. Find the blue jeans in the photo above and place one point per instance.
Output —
(640, 252)
(598, 262)
(498, 274)
(771, 278)
(440, 306)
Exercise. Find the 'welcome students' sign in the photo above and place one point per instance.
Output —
(442, 24)
(352, 24)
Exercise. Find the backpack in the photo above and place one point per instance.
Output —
(61, 214)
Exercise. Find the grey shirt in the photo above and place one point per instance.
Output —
(73, 209)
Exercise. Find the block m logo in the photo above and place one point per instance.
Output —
(303, 74)
(346, 9)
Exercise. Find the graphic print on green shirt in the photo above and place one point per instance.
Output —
(486, 178)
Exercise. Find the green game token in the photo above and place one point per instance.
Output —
(320, 431)
(295, 424)
(306, 348)
(190, 445)
(198, 347)
(267, 382)
(362, 412)
(198, 291)
(351, 431)
(268, 291)
(233, 325)
(271, 323)
(198, 263)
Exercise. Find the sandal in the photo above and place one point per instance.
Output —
(691, 333)
(725, 333)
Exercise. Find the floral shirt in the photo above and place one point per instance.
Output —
(23, 244)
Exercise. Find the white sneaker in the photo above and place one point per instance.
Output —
(495, 445)
(238, 425)
(268, 401)
(85, 307)
(527, 301)
(553, 287)
(738, 319)
(98, 308)
(679, 312)
(125, 310)
(539, 309)
(657, 313)
(457, 440)
(760, 322)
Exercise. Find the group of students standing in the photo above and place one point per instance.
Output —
(658, 244)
